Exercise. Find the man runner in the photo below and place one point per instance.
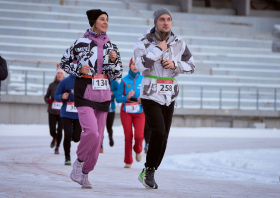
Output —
(160, 56)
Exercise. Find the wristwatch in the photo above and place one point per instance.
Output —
(175, 66)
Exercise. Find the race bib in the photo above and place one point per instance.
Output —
(165, 87)
(71, 108)
(100, 82)
(56, 105)
(133, 107)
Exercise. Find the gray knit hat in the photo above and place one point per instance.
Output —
(160, 12)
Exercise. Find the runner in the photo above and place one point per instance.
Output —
(68, 115)
(54, 111)
(131, 113)
(97, 60)
(160, 56)
(111, 114)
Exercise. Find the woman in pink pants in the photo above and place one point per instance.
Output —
(98, 61)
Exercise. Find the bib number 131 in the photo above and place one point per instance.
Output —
(165, 87)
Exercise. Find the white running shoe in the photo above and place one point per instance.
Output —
(85, 182)
(138, 157)
(127, 166)
(76, 174)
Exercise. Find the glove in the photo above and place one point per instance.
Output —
(49, 101)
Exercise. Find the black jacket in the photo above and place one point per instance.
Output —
(50, 93)
(3, 69)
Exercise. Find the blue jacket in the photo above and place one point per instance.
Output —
(127, 84)
(66, 83)
(114, 89)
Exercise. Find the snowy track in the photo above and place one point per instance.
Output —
(198, 163)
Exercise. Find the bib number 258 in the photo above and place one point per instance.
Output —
(165, 87)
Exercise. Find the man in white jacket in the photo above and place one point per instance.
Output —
(160, 56)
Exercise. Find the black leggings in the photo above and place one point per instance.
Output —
(56, 133)
(147, 132)
(110, 122)
(72, 131)
(159, 118)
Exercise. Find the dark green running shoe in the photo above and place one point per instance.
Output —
(67, 161)
(146, 177)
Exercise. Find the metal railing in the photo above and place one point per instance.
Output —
(35, 81)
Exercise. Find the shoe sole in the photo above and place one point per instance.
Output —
(146, 186)
(86, 187)
(67, 164)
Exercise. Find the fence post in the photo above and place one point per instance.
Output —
(220, 98)
(25, 82)
(257, 98)
(201, 97)
(7, 84)
(44, 76)
(275, 99)
(182, 97)
(238, 97)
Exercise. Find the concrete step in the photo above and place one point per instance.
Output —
(59, 50)
(132, 28)
(207, 64)
(247, 72)
(127, 48)
(257, 23)
(25, 56)
(131, 37)
(240, 57)
(115, 19)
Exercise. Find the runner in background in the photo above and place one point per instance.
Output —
(98, 61)
(54, 111)
(68, 114)
(3, 71)
(131, 113)
(111, 114)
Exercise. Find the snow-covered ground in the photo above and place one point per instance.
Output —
(223, 158)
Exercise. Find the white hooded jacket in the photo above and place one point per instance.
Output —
(148, 59)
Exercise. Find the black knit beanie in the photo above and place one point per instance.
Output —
(93, 15)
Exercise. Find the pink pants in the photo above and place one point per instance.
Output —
(93, 123)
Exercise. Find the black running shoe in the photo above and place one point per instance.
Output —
(67, 161)
(53, 143)
(111, 141)
(56, 151)
(149, 178)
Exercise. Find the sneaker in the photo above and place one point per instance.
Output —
(53, 143)
(67, 161)
(127, 166)
(146, 148)
(56, 151)
(76, 174)
(111, 141)
(138, 157)
(146, 177)
(101, 150)
(85, 182)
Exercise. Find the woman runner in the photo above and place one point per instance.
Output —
(98, 61)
